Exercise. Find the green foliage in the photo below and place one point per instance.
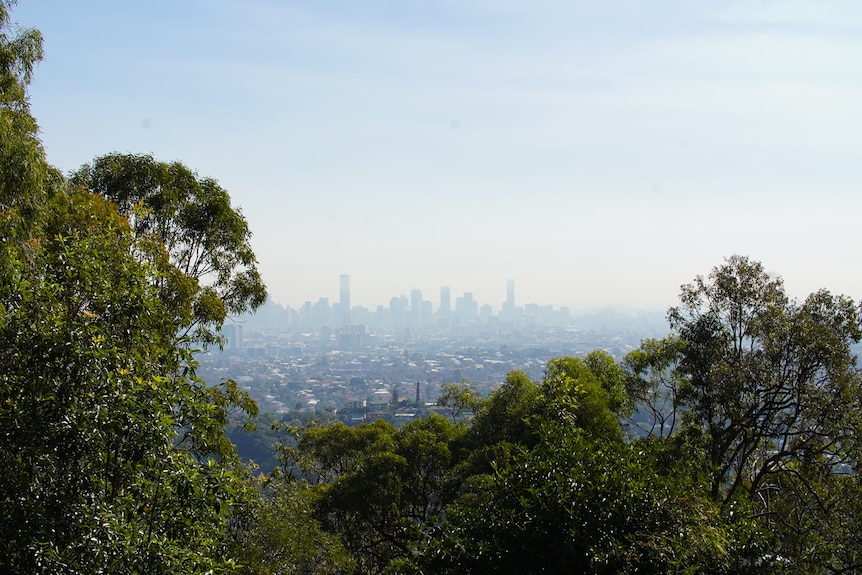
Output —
(612, 379)
(574, 505)
(379, 486)
(769, 392)
(276, 533)
(575, 395)
(208, 240)
(25, 176)
(20, 51)
(113, 452)
(768, 381)
(503, 417)
(585, 393)
(324, 453)
(459, 399)
(653, 384)
(432, 448)
(91, 398)
(555, 488)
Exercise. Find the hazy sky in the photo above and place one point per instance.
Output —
(595, 152)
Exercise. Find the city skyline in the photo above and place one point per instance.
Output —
(416, 298)
(374, 295)
(412, 313)
(439, 312)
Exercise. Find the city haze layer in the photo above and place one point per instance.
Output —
(597, 153)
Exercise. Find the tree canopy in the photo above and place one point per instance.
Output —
(729, 446)
(113, 452)
(771, 394)
(208, 240)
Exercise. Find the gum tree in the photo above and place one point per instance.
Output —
(113, 452)
(207, 239)
(770, 382)
(769, 394)
(556, 488)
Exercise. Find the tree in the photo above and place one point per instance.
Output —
(654, 384)
(459, 399)
(379, 487)
(503, 419)
(586, 393)
(95, 475)
(207, 239)
(277, 534)
(24, 173)
(432, 448)
(577, 503)
(19, 54)
(769, 380)
(771, 393)
(113, 452)
(553, 488)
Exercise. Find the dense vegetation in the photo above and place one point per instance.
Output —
(113, 452)
(730, 446)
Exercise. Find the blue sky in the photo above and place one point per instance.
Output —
(599, 153)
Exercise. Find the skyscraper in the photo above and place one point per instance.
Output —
(344, 300)
(466, 308)
(445, 301)
(507, 314)
(396, 312)
(415, 308)
(444, 314)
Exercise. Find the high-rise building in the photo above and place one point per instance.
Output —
(322, 313)
(233, 333)
(444, 313)
(466, 308)
(344, 293)
(415, 308)
(445, 301)
(396, 312)
(507, 314)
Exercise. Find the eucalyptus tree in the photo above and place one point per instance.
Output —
(555, 487)
(653, 385)
(113, 455)
(24, 173)
(765, 392)
(378, 487)
(113, 452)
(207, 239)
(459, 399)
(770, 381)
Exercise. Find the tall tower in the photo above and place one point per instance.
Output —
(445, 301)
(444, 313)
(466, 308)
(344, 293)
(510, 294)
(415, 308)
(396, 312)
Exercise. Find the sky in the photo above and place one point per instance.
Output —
(598, 153)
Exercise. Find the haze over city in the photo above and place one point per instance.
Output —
(597, 153)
